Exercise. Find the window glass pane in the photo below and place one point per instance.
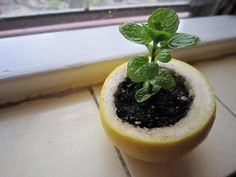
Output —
(130, 3)
(9, 8)
(14, 8)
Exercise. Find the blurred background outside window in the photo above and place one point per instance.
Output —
(19, 14)
(14, 8)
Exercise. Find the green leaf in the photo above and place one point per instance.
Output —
(165, 79)
(152, 85)
(146, 85)
(134, 64)
(149, 89)
(140, 70)
(135, 33)
(163, 44)
(164, 19)
(163, 56)
(157, 35)
(181, 40)
(142, 95)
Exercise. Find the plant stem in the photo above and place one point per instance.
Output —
(154, 47)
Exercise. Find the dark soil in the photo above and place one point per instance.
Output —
(165, 108)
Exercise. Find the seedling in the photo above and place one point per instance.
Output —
(158, 35)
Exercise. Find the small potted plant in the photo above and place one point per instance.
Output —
(154, 107)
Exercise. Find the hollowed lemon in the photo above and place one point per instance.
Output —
(165, 143)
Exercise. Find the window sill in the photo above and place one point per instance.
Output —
(42, 64)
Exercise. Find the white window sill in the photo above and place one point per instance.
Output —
(52, 51)
(47, 56)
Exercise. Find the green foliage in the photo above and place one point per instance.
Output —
(143, 94)
(55, 3)
(158, 35)
(150, 87)
(58, 4)
(164, 19)
(140, 70)
(181, 40)
(135, 33)
(163, 55)
(165, 79)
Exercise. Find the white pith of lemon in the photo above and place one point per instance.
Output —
(160, 143)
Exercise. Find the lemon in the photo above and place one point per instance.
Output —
(158, 144)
